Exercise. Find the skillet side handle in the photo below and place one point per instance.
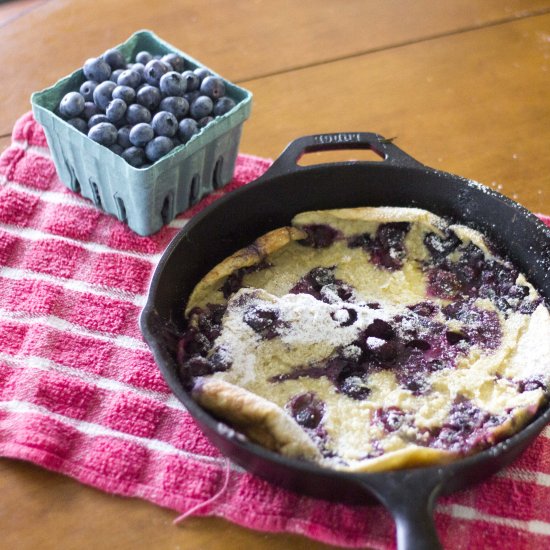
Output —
(389, 153)
(410, 497)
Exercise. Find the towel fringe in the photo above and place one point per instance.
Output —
(212, 499)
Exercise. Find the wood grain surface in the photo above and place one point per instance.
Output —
(462, 85)
(239, 39)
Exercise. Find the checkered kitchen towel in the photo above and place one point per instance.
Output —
(80, 393)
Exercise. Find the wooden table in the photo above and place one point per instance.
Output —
(463, 85)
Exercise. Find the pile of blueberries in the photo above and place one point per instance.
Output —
(142, 110)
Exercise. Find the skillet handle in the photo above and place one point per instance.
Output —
(389, 153)
(410, 497)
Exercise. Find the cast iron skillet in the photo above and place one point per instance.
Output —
(235, 220)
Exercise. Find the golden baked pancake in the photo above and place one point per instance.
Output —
(368, 339)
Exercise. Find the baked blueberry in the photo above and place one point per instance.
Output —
(307, 409)
(320, 235)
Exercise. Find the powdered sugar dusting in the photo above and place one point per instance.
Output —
(302, 321)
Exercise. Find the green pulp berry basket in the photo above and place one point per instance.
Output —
(144, 198)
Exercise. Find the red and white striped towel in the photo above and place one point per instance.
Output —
(80, 393)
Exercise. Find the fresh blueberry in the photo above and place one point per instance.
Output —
(192, 81)
(141, 134)
(223, 105)
(104, 133)
(178, 106)
(115, 75)
(129, 77)
(149, 96)
(116, 149)
(158, 147)
(191, 96)
(135, 156)
(115, 59)
(176, 61)
(103, 94)
(123, 136)
(116, 110)
(172, 84)
(87, 90)
(79, 123)
(90, 109)
(71, 105)
(202, 73)
(202, 122)
(143, 57)
(165, 124)
(125, 93)
(201, 107)
(96, 69)
(187, 129)
(153, 71)
(213, 87)
(97, 119)
(137, 113)
(137, 67)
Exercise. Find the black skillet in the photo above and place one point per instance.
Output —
(235, 220)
